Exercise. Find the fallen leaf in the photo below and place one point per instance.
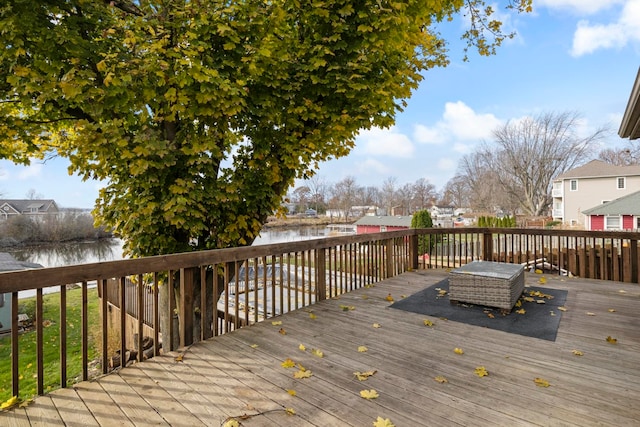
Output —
(577, 353)
(302, 368)
(427, 322)
(369, 394)
(282, 331)
(376, 325)
(490, 316)
(541, 382)
(442, 292)
(362, 349)
(291, 392)
(403, 296)
(481, 371)
(25, 403)
(383, 422)
(312, 316)
(612, 340)
(288, 363)
(622, 291)
(441, 379)
(518, 303)
(276, 322)
(302, 374)
(538, 271)
(290, 411)
(347, 307)
(389, 298)
(302, 347)
(458, 350)
(521, 311)
(317, 352)
(528, 299)
(551, 313)
(541, 301)
(9, 403)
(590, 313)
(254, 345)
(231, 423)
(542, 280)
(612, 310)
(563, 308)
(362, 376)
(179, 358)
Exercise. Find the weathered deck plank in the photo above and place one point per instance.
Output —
(241, 374)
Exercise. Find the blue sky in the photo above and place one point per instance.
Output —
(569, 55)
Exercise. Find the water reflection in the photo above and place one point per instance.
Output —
(269, 236)
(71, 253)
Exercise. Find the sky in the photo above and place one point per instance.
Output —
(568, 55)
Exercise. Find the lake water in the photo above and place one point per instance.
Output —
(110, 250)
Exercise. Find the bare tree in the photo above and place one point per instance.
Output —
(456, 192)
(424, 194)
(32, 194)
(532, 151)
(389, 196)
(345, 194)
(301, 197)
(622, 157)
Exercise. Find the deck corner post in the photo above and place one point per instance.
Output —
(413, 251)
(186, 306)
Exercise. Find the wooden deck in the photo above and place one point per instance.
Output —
(241, 374)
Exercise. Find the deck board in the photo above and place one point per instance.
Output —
(240, 374)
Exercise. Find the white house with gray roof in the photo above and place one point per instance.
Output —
(619, 214)
(29, 207)
(589, 186)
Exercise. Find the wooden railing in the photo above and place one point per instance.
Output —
(230, 288)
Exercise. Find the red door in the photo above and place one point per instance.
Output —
(597, 222)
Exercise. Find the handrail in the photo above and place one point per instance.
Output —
(230, 288)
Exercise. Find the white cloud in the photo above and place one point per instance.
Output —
(447, 164)
(459, 122)
(372, 166)
(584, 7)
(591, 37)
(385, 142)
(31, 171)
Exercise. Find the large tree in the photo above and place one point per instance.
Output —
(198, 116)
(527, 154)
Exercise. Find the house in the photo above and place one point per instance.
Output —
(619, 214)
(441, 212)
(377, 224)
(28, 207)
(591, 185)
(9, 263)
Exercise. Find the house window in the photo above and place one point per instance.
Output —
(573, 185)
(621, 183)
(612, 223)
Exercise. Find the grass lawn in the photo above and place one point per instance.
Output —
(51, 344)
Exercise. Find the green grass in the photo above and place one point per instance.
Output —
(51, 344)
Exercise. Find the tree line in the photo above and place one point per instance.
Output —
(512, 173)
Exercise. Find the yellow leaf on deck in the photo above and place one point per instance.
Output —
(441, 379)
(362, 349)
(389, 298)
(312, 316)
(291, 392)
(317, 352)
(427, 322)
(369, 394)
(383, 422)
(590, 313)
(302, 374)
(577, 353)
(288, 363)
(528, 299)
(276, 322)
(541, 301)
(521, 311)
(541, 382)
(290, 411)
(302, 368)
(542, 280)
(612, 340)
(518, 303)
(458, 350)
(347, 307)
(282, 331)
(302, 347)
(376, 325)
(179, 358)
(490, 316)
(563, 308)
(362, 376)
(538, 271)
(481, 371)
(231, 423)
(9, 403)
(254, 345)
(612, 310)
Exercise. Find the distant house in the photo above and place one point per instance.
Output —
(589, 186)
(378, 224)
(28, 207)
(442, 212)
(619, 214)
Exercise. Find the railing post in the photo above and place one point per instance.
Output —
(321, 275)
(633, 244)
(487, 246)
(413, 251)
(186, 306)
(389, 256)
